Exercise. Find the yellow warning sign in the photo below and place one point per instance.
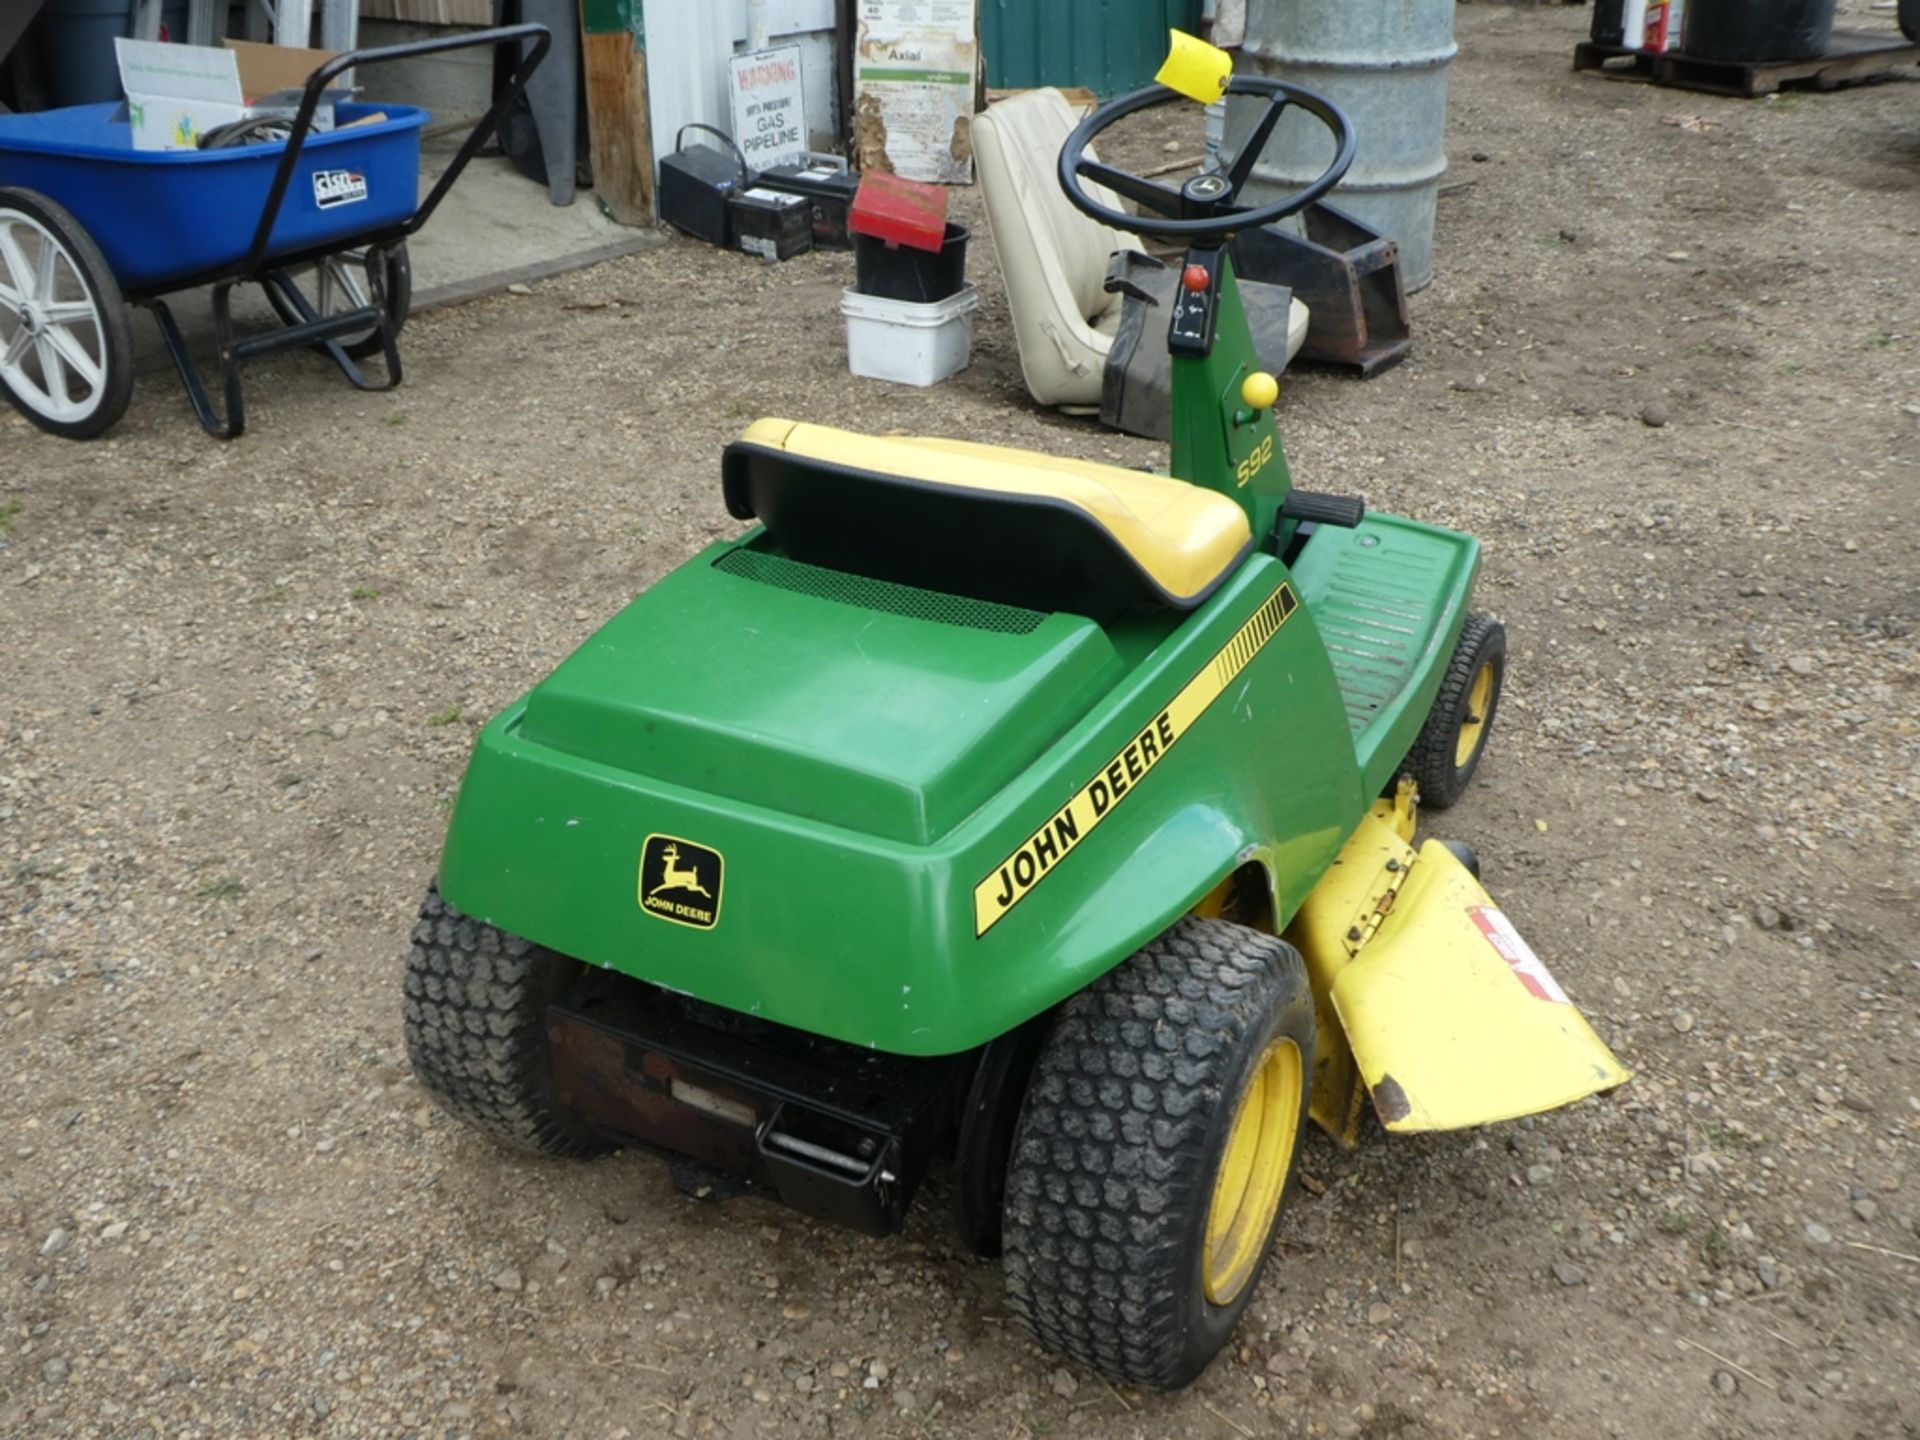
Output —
(1014, 878)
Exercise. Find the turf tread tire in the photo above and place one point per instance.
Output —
(475, 1020)
(1111, 1174)
(1430, 761)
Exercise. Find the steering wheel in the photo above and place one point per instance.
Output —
(1206, 207)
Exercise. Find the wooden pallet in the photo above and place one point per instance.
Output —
(1852, 56)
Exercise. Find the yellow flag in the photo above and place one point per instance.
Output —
(1196, 69)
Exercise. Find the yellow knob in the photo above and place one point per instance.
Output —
(1259, 390)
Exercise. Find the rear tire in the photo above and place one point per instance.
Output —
(1455, 736)
(476, 1025)
(1135, 1232)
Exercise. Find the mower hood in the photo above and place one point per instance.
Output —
(875, 707)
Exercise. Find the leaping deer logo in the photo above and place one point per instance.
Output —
(673, 877)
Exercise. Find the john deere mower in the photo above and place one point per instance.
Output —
(1043, 821)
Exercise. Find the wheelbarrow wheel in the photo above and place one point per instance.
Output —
(66, 358)
(1454, 738)
(341, 282)
(476, 1025)
(1155, 1146)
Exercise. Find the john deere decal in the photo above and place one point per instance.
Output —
(680, 881)
(1015, 877)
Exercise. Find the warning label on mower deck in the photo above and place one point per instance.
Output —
(1015, 877)
(1527, 967)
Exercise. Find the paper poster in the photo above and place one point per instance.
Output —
(913, 81)
(769, 109)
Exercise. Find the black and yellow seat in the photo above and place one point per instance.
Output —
(985, 521)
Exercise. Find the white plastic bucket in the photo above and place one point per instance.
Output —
(908, 343)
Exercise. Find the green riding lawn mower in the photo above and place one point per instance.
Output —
(1042, 820)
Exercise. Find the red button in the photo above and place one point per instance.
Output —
(1195, 278)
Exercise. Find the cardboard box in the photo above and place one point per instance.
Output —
(265, 69)
(177, 93)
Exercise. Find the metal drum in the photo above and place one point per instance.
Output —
(1384, 62)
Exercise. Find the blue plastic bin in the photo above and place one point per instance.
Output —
(76, 45)
(163, 215)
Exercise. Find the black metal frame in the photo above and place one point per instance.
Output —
(313, 329)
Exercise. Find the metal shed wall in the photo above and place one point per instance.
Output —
(1109, 46)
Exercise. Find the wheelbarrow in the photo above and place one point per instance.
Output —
(89, 227)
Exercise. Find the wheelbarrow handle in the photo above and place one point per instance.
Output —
(317, 83)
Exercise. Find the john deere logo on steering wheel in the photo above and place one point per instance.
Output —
(680, 881)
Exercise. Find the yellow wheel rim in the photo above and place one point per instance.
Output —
(1253, 1172)
(1473, 726)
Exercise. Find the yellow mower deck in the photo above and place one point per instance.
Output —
(1428, 999)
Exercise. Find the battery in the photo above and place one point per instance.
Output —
(829, 189)
(696, 184)
(770, 224)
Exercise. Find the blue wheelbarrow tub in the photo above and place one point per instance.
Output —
(160, 216)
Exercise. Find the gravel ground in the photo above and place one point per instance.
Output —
(1668, 372)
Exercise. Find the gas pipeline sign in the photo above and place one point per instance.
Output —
(769, 107)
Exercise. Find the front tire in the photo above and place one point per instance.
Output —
(1455, 736)
(476, 1025)
(1155, 1148)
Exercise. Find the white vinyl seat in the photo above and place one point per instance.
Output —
(1052, 257)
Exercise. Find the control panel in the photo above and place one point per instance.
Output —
(1196, 304)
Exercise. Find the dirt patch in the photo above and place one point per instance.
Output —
(240, 683)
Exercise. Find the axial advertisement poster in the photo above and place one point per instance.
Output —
(913, 78)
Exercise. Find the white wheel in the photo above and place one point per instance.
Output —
(65, 359)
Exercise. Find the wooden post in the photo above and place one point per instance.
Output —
(614, 54)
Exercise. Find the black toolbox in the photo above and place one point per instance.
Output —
(829, 189)
(696, 184)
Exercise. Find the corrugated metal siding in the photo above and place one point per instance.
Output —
(1109, 46)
